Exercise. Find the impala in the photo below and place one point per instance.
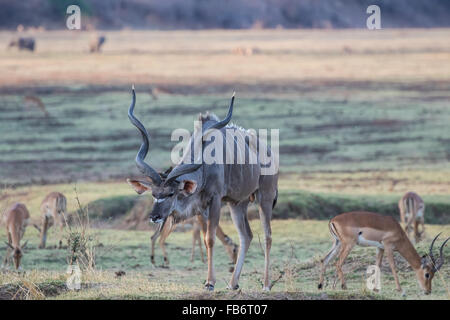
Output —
(384, 233)
(412, 209)
(199, 189)
(16, 219)
(166, 227)
(163, 232)
(53, 209)
(96, 43)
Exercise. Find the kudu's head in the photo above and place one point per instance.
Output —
(171, 193)
(17, 253)
(429, 266)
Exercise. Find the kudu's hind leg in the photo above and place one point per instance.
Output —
(239, 217)
(265, 214)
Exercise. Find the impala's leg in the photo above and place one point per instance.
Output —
(327, 259)
(8, 252)
(239, 217)
(416, 231)
(60, 230)
(194, 243)
(153, 239)
(199, 240)
(162, 241)
(230, 246)
(380, 253)
(345, 250)
(210, 237)
(390, 256)
(44, 229)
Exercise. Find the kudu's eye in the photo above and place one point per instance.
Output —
(427, 275)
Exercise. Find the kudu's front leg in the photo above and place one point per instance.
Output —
(210, 236)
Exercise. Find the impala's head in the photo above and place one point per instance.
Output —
(17, 253)
(171, 193)
(429, 266)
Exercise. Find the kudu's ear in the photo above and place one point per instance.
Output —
(140, 186)
(188, 187)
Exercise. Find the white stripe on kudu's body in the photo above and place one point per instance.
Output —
(384, 233)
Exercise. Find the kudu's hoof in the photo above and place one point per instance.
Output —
(209, 287)
(320, 286)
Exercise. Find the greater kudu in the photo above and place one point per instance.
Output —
(199, 189)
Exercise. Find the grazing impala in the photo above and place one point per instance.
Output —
(384, 233)
(53, 209)
(199, 188)
(167, 226)
(163, 232)
(412, 209)
(16, 219)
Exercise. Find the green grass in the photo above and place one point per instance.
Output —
(297, 247)
(89, 136)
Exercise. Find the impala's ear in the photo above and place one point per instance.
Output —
(140, 186)
(188, 187)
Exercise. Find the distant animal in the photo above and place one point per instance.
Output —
(245, 51)
(412, 209)
(35, 101)
(23, 43)
(199, 189)
(96, 44)
(384, 233)
(16, 219)
(53, 209)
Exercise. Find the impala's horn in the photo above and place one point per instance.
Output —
(431, 249)
(143, 150)
(440, 261)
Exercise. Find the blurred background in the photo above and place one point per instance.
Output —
(363, 115)
(359, 111)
